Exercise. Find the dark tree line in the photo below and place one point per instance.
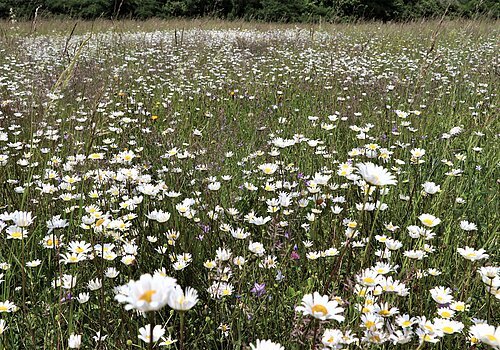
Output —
(264, 10)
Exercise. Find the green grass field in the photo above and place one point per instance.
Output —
(259, 165)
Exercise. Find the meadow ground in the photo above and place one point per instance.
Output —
(320, 187)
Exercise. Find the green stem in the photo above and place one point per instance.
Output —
(151, 333)
(181, 336)
(316, 326)
(370, 237)
(488, 303)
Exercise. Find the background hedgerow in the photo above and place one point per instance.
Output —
(262, 10)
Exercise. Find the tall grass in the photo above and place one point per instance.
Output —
(104, 124)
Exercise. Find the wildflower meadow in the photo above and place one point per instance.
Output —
(234, 185)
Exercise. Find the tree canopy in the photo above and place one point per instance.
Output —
(264, 10)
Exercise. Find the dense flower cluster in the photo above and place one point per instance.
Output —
(267, 189)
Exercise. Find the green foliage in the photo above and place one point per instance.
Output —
(424, 8)
(87, 9)
(183, 8)
(471, 8)
(264, 10)
(280, 10)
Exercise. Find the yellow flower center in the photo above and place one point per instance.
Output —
(384, 312)
(369, 280)
(147, 295)
(3, 308)
(370, 324)
(406, 324)
(491, 338)
(181, 300)
(428, 222)
(268, 170)
(318, 308)
(448, 329)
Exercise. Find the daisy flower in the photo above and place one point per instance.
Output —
(182, 301)
(472, 254)
(441, 295)
(321, 307)
(149, 293)
(486, 334)
(429, 220)
(266, 345)
(145, 333)
(376, 175)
